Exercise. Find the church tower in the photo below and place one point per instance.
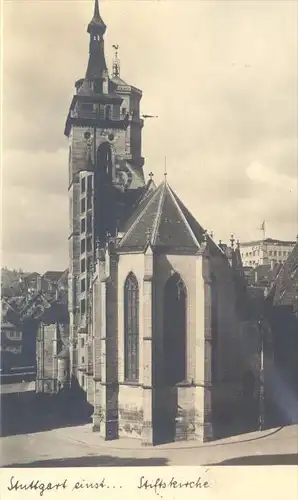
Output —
(106, 177)
(158, 328)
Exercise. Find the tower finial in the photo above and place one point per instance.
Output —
(96, 8)
(116, 62)
(165, 169)
(96, 24)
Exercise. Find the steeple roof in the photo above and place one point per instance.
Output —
(284, 289)
(97, 63)
(96, 24)
(162, 221)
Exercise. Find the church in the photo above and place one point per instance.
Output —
(162, 340)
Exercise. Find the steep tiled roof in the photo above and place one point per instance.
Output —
(285, 288)
(127, 202)
(162, 220)
(33, 275)
(53, 276)
(63, 280)
(118, 81)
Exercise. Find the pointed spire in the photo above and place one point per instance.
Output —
(96, 24)
(97, 63)
(165, 170)
(96, 9)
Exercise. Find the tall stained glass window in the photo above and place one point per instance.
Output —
(131, 328)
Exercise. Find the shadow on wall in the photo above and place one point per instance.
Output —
(30, 412)
(96, 461)
(243, 420)
(290, 459)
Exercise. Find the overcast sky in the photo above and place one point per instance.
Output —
(220, 75)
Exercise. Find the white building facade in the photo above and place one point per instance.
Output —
(255, 253)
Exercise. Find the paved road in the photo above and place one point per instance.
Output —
(78, 446)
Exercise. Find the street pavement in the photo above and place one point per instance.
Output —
(79, 446)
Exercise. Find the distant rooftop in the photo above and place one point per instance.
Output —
(53, 275)
(267, 240)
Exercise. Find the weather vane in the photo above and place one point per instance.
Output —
(116, 62)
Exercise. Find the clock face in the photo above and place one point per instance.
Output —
(123, 176)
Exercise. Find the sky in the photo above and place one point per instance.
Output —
(220, 75)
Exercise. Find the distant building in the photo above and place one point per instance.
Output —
(18, 343)
(52, 349)
(53, 280)
(28, 283)
(259, 252)
(21, 318)
(34, 359)
(11, 348)
(262, 275)
(32, 281)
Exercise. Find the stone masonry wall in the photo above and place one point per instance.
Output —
(130, 411)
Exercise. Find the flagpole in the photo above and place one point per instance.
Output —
(262, 242)
(263, 230)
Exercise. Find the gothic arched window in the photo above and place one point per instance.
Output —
(131, 328)
(175, 308)
(108, 112)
